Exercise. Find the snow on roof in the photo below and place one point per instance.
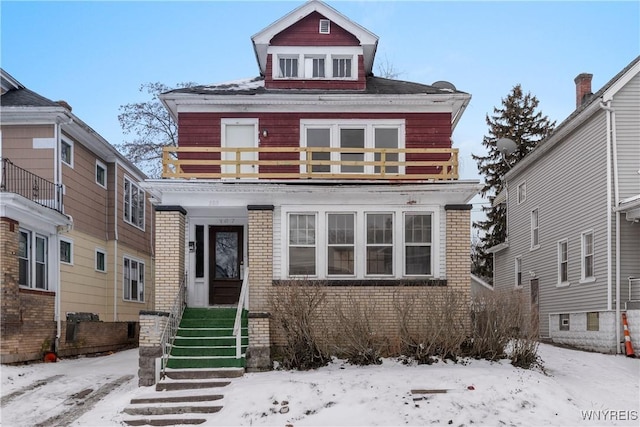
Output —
(240, 84)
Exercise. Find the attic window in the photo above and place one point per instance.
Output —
(325, 26)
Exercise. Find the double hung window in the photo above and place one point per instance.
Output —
(340, 244)
(288, 67)
(345, 147)
(133, 204)
(302, 244)
(587, 255)
(33, 260)
(133, 280)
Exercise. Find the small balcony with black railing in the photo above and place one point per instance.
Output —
(17, 180)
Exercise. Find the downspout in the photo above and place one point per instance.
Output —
(57, 181)
(611, 134)
(115, 242)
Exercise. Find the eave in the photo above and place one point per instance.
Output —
(454, 103)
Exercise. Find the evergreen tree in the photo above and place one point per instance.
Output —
(518, 120)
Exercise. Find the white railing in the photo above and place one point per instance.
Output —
(171, 327)
(242, 303)
(634, 288)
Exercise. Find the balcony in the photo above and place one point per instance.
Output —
(274, 163)
(26, 184)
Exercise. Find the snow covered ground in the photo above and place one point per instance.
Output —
(576, 388)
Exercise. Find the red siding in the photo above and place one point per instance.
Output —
(306, 33)
(422, 130)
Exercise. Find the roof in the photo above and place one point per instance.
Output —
(23, 105)
(577, 117)
(375, 86)
(25, 98)
(368, 40)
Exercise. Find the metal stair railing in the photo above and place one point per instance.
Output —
(242, 303)
(171, 327)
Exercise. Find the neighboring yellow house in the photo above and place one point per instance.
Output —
(75, 228)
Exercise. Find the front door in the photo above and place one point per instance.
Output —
(225, 261)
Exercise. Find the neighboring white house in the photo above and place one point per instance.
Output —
(573, 212)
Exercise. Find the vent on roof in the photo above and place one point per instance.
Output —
(325, 26)
(444, 85)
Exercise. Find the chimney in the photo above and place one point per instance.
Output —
(583, 88)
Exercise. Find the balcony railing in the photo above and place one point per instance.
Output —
(20, 181)
(311, 163)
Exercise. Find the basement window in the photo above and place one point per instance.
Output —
(564, 322)
(325, 26)
(593, 321)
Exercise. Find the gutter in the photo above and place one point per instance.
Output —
(612, 157)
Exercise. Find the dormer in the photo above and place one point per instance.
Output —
(315, 47)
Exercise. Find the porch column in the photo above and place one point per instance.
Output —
(169, 271)
(169, 254)
(459, 255)
(260, 238)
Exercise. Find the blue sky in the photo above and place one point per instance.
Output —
(95, 55)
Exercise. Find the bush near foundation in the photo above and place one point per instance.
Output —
(296, 307)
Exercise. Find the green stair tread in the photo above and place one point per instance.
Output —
(184, 363)
(205, 351)
(212, 313)
(208, 341)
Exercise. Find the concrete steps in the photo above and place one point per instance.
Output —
(183, 397)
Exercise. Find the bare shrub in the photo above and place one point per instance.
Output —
(296, 307)
(355, 337)
(431, 326)
(504, 326)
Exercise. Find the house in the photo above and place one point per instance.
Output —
(573, 220)
(317, 171)
(77, 248)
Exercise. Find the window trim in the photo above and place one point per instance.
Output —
(32, 260)
(327, 23)
(560, 261)
(95, 264)
(535, 231)
(406, 244)
(71, 250)
(522, 192)
(369, 127)
(140, 270)
(393, 245)
(517, 265)
(353, 245)
(288, 244)
(583, 277)
(283, 56)
(142, 199)
(351, 69)
(321, 212)
(69, 142)
(100, 164)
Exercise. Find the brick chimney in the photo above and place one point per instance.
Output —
(583, 88)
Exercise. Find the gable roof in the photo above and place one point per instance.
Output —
(368, 40)
(575, 119)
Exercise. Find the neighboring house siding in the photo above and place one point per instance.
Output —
(306, 33)
(565, 211)
(128, 234)
(627, 105)
(85, 200)
(18, 146)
